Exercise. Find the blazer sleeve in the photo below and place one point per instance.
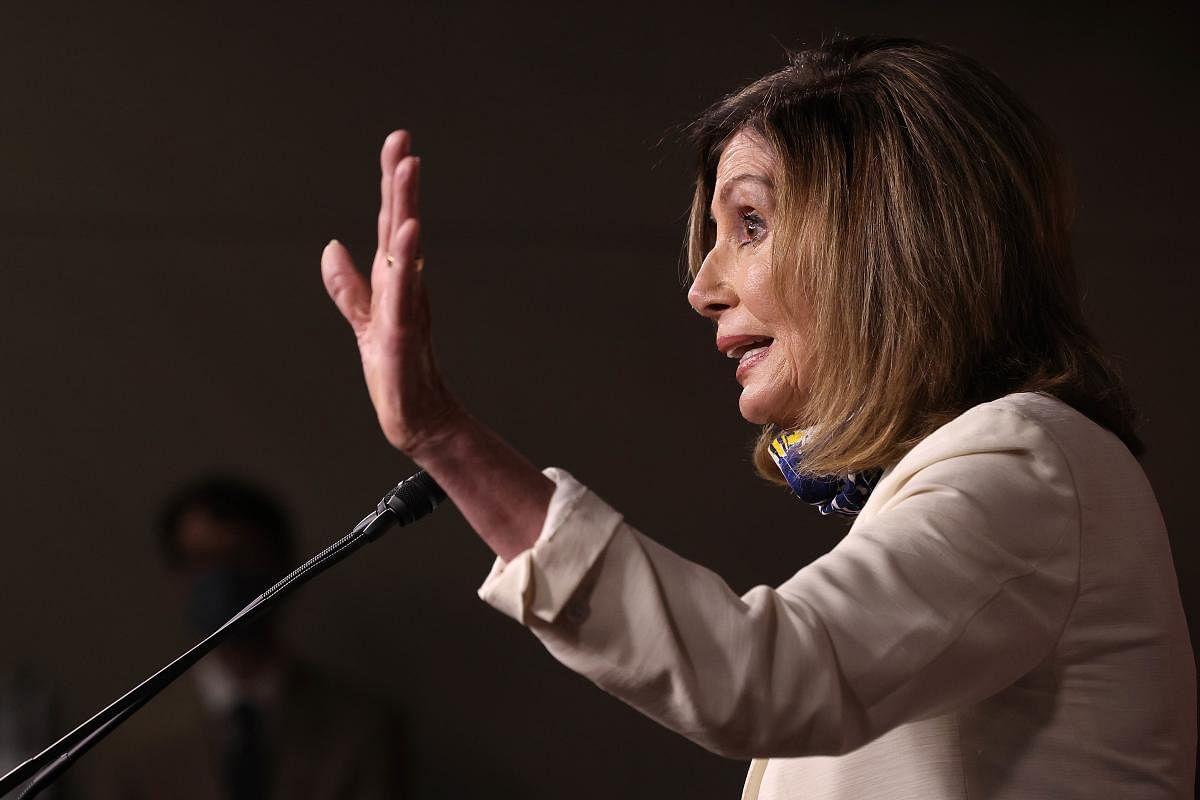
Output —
(955, 581)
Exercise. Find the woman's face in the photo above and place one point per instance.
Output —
(734, 288)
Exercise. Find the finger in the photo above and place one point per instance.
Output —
(346, 286)
(405, 192)
(399, 292)
(395, 148)
(412, 290)
(383, 266)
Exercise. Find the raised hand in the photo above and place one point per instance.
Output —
(390, 315)
(499, 493)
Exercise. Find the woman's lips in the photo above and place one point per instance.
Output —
(749, 359)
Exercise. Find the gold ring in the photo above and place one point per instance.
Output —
(391, 261)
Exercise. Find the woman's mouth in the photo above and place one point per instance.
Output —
(749, 355)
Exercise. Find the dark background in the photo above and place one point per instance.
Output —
(170, 172)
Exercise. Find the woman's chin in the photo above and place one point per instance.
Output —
(762, 405)
(753, 409)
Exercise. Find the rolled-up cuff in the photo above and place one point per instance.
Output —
(540, 581)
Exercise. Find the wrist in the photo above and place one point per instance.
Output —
(441, 438)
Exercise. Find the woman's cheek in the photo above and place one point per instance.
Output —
(787, 385)
(761, 296)
(757, 292)
(786, 389)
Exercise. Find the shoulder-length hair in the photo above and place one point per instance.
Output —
(922, 226)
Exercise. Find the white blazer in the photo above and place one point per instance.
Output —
(1001, 621)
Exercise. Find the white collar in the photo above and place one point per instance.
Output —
(221, 691)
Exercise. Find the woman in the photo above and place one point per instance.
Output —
(879, 233)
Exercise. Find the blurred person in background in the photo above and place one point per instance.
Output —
(252, 720)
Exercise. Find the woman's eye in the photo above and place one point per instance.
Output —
(754, 226)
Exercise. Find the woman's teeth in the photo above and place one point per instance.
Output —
(752, 352)
(746, 351)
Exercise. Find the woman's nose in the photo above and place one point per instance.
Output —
(711, 293)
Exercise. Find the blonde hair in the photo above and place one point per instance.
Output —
(922, 224)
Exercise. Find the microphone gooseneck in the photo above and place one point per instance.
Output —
(409, 501)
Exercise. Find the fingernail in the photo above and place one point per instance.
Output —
(332, 242)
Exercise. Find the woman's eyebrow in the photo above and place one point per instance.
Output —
(745, 177)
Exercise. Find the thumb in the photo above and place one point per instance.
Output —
(346, 285)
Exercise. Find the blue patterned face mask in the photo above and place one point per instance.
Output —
(831, 494)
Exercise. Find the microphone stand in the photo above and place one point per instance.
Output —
(410, 500)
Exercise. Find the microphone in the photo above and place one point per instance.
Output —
(410, 500)
(407, 502)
